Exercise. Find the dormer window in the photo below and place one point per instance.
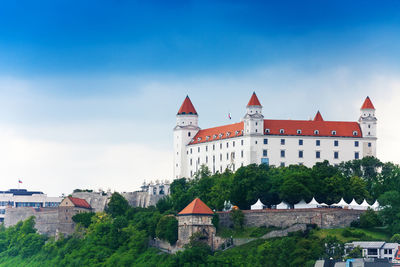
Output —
(355, 133)
(237, 132)
(207, 137)
(228, 134)
(220, 135)
(316, 132)
(298, 131)
(333, 132)
(281, 131)
(198, 139)
(214, 136)
(267, 131)
(242, 131)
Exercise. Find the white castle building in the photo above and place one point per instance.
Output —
(274, 142)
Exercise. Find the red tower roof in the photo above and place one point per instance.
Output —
(196, 207)
(254, 100)
(79, 202)
(318, 117)
(187, 108)
(367, 104)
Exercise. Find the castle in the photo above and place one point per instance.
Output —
(273, 142)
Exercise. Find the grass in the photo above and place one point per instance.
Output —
(246, 232)
(354, 234)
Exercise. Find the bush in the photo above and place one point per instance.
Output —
(84, 218)
(237, 217)
(395, 238)
(167, 229)
(369, 219)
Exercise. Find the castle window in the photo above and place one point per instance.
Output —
(214, 136)
(191, 151)
(265, 141)
(265, 153)
(256, 142)
(282, 164)
(336, 154)
(213, 146)
(241, 141)
(242, 131)
(220, 157)
(191, 162)
(206, 159)
(227, 144)
(282, 141)
(281, 131)
(369, 144)
(232, 155)
(356, 143)
(298, 131)
(316, 132)
(369, 125)
(336, 143)
(333, 132)
(189, 134)
(237, 132)
(206, 148)
(220, 146)
(227, 156)
(282, 153)
(300, 153)
(300, 142)
(356, 155)
(355, 133)
(267, 131)
(198, 139)
(317, 142)
(213, 158)
(228, 134)
(241, 153)
(233, 143)
(317, 154)
(221, 135)
(369, 133)
(256, 123)
(198, 149)
(256, 130)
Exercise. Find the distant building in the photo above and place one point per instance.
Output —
(149, 194)
(22, 198)
(274, 142)
(375, 249)
(69, 207)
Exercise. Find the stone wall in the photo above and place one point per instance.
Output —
(142, 199)
(324, 218)
(96, 200)
(46, 219)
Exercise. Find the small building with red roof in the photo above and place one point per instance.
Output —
(255, 139)
(69, 207)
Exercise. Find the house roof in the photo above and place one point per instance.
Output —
(79, 202)
(369, 244)
(318, 117)
(254, 100)
(367, 104)
(289, 127)
(187, 108)
(196, 207)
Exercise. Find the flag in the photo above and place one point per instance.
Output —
(229, 116)
(19, 181)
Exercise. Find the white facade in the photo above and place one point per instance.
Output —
(375, 249)
(274, 142)
(15, 198)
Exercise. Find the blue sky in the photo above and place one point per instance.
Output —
(89, 89)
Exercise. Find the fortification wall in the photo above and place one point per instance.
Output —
(97, 200)
(324, 218)
(141, 199)
(46, 219)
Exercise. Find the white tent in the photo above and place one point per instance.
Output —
(375, 206)
(283, 206)
(301, 205)
(341, 203)
(257, 206)
(364, 205)
(354, 205)
(313, 204)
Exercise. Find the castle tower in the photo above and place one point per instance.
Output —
(368, 123)
(185, 129)
(196, 218)
(253, 129)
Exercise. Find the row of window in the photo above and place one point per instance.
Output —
(228, 156)
(6, 203)
(213, 147)
(299, 131)
(214, 170)
(317, 154)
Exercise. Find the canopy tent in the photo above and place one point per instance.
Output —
(376, 205)
(341, 203)
(364, 205)
(313, 204)
(258, 205)
(283, 206)
(354, 205)
(301, 205)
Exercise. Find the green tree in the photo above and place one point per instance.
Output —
(237, 218)
(369, 219)
(84, 218)
(117, 206)
(167, 229)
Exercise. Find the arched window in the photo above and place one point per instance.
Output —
(281, 131)
(316, 132)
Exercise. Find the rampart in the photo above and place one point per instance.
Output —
(324, 218)
(141, 199)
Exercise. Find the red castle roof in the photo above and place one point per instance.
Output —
(196, 207)
(254, 100)
(289, 127)
(187, 107)
(367, 104)
(318, 117)
(79, 202)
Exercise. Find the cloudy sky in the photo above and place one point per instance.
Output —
(89, 89)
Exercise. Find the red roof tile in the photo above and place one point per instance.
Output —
(218, 133)
(254, 100)
(196, 207)
(289, 127)
(367, 104)
(79, 202)
(318, 117)
(187, 107)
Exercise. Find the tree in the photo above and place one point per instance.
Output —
(369, 219)
(167, 229)
(117, 206)
(355, 253)
(237, 217)
(84, 218)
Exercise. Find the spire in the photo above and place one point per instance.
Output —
(187, 108)
(196, 207)
(254, 100)
(318, 117)
(367, 104)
